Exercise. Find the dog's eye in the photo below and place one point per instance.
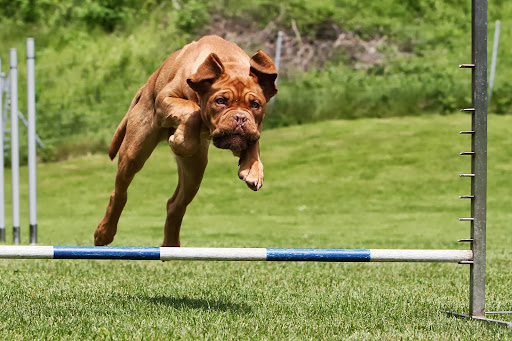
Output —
(221, 101)
(255, 105)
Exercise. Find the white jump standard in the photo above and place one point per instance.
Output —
(235, 254)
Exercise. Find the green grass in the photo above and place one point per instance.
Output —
(369, 183)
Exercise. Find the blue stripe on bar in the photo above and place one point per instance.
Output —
(319, 255)
(91, 252)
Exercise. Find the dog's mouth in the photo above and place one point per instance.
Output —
(231, 141)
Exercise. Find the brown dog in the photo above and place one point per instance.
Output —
(210, 89)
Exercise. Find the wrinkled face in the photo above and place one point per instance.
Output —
(233, 111)
(233, 96)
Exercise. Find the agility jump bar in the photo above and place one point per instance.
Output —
(234, 254)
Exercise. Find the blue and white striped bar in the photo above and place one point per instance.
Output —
(234, 254)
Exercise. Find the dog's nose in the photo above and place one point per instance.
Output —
(240, 118)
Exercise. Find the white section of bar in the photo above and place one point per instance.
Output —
(204, 253)
(24, 252)
(405, 255)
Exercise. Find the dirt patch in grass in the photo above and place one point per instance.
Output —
(302, 51)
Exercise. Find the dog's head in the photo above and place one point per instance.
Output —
(233, 98)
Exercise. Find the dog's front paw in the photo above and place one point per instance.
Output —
(182, 147)
(252, 175)
(187, 138)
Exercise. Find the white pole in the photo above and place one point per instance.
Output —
(31, 113)
(2, 194)
(279, 45)
(277, 59)
(15, 157)
(494, 58)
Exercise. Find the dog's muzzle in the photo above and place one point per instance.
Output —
(232, 142)
(235, 135)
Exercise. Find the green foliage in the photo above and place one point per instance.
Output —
(394, 18)
(106, 14)
(501, 101)
(25, 10)
(193, 16)
(339, 92)
(92, 56)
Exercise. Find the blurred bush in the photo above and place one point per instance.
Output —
(93, 55)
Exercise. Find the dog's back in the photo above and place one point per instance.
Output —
(185, 62)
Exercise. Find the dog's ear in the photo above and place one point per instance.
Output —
(206, 74)
(264, 69)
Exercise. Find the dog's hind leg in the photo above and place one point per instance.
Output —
(190, 172)
(140, 140)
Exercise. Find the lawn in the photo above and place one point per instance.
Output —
(368, 183)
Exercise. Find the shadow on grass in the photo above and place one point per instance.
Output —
(199, 303)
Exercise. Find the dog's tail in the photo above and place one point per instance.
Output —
(118, 137)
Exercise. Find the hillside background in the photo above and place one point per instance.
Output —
(341, 59)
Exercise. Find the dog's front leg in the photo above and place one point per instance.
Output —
(185, 116)
(251, 168)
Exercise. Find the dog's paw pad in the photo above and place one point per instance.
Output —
(254, 185)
